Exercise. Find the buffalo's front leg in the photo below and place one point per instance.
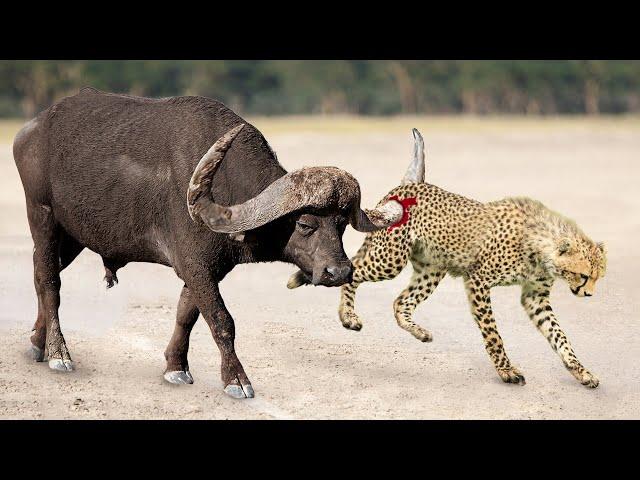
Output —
(177, 371)
(235, 381)
(210, 303)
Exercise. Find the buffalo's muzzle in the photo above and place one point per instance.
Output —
(336, 275)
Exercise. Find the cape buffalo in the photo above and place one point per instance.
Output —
(137, 180)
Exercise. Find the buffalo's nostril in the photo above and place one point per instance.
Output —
(339, 272)
(333, 271)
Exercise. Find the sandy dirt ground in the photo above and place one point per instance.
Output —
(302, 362)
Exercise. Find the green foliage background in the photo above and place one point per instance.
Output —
(366, 87)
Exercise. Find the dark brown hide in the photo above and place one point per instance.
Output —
(111, 172)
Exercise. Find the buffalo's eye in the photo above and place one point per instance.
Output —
(304, 228)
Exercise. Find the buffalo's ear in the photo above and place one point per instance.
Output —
(565, 246)
(247, 237)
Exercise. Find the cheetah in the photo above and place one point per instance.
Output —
(514, 241)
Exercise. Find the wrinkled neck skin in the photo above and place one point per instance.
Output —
(267, 243)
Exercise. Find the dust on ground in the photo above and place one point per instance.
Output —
(301, 361)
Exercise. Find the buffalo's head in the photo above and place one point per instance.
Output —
(319, 201)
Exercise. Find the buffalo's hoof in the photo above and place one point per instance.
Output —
(179, 377)
(36, 353)
(237, 391)
(61, 365)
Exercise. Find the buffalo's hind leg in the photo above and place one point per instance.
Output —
(177, 371)
(68, 250)
(52, 251)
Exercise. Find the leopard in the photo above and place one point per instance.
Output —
(515, 241)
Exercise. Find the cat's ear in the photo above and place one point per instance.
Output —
(565, 246)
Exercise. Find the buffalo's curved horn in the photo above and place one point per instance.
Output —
(415, 172)
(383, 216)
(311, 187)
(200, 185)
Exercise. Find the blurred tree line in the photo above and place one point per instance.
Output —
(367, 87)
